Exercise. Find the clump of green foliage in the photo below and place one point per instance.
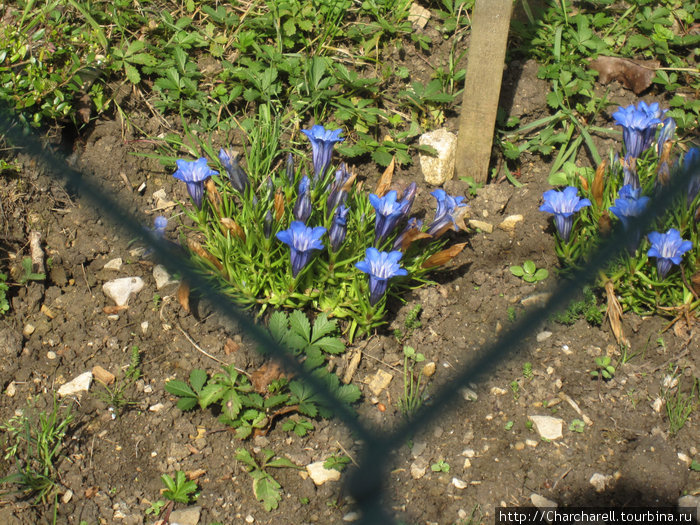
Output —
(586, 307)
(245, 409)
(116, 396)
(36, 443)
(4, 303)
(265, 487)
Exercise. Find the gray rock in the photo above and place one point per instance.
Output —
(188, 516)
(548, 427)
(119, 290)
(438, 170)
(320, 475)
(79, 384)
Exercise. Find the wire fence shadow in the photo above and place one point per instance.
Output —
(366, 483)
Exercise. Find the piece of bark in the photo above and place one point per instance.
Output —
(636, 75)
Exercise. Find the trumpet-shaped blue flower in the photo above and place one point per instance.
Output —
(339, 227)
(336, 194)
(194, 173)
(448, 208)
(238, 177)
(302, 208)
(563, 204)
(668, 248)
(301, 240)
(389, 211)
(666, 134)
(412, 224)
(638, 126)
(629, 171)
(380, 266)
(630, 204)
(322, 142)
(289, 168)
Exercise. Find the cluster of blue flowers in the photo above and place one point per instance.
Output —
(639, 126)
(303, 240)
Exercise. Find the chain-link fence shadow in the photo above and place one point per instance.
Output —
(367, 483)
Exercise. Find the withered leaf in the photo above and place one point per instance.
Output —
(183, 296)
(604, 223)
(204, 254)
(614, 314)
(111, 310)
(444, 256)
(232, 226)
(695, 280)
(263, 376)
(279, 205)
(385, 180)
(412, 235)
(636, 75)
(599, 183)
(231, 346)
(348, 183)
(213, 195)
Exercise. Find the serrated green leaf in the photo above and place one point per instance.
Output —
(231, 404)
(348, 394)
(331, 345)
(281, 462)
(322, 326)
(144, 59)
(278, 325)
(314, 358)
(245, 457)
(517, 271)
(300, 324)
(382, 158)
(211, 394)
(288, 425)
(132, 73)
(187, 403)
(197, 379)
(267, 490)
(295, 342)
(179, 389)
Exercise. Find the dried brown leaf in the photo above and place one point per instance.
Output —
(111, 310)
(584, 182)
(385, 180)
(213, 195)
(599, 183)
(444, 256)
(695, 281)
(413, 235)
(614, 314)
(279, 205)
(263, 376)
(636, 75)
(604, 223)
(183, 296)
(204, 254)
(229, 225)
(348, 183)
(195, 474)
(231, 346)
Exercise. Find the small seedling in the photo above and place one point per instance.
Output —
(509, 425)
(336, 462)
(586, 307)
(4, 303)
(410, 324)
(512, 314)
(603, 368)
(577, 426)
(300, 427)
(527, 371)
(156, 507)
(515, 388)
(440, 466)
(179, 489)
(695, 466)
(529, 273)
(157, 300)
(265, 487)
(680, 406)
(529, 425)
(412, 388)
(29, 274)
(116, 397)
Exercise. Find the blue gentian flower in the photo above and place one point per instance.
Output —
(691, 162)
(267, 224)
(339, 227)
(668, 248)
(194, 173)
(301, 240)
(628, 207)
(159, 225)
(389, 211)
(638, 126)
(322, 142)
(448, 208)
(666, 134)
(380, 266)
(629, 172)
(563, 204)
(238, 177)
(302, 208)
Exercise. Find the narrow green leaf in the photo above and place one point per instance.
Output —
(281, 463)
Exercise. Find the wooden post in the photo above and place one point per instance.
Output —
(487, 51)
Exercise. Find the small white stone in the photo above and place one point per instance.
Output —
(113, 317)
(351, 516)
(468, 394)
(467, 463)
(670, 381)
(157, 407)
(144, 327)
(380, 381)
(119, 515)
(11, 389)
(658, 404)
(531, 443)
(51, 355)
(438, 169)
(249, 519)
(319, 474)
(114, 264)
(468, 453)
(79, 384)
(550, 370)
(119, 290)
(67, 496)
(509, 222)
(600, 481)
(462, 514)
(418, 468)
(547, 426)
(458, 483)
(542, 503)
(683, 457)
(28, 329)
(162, 277)
(496, 391)
(543, 336)
(481, 225)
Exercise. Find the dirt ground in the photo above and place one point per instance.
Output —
(57, 329)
